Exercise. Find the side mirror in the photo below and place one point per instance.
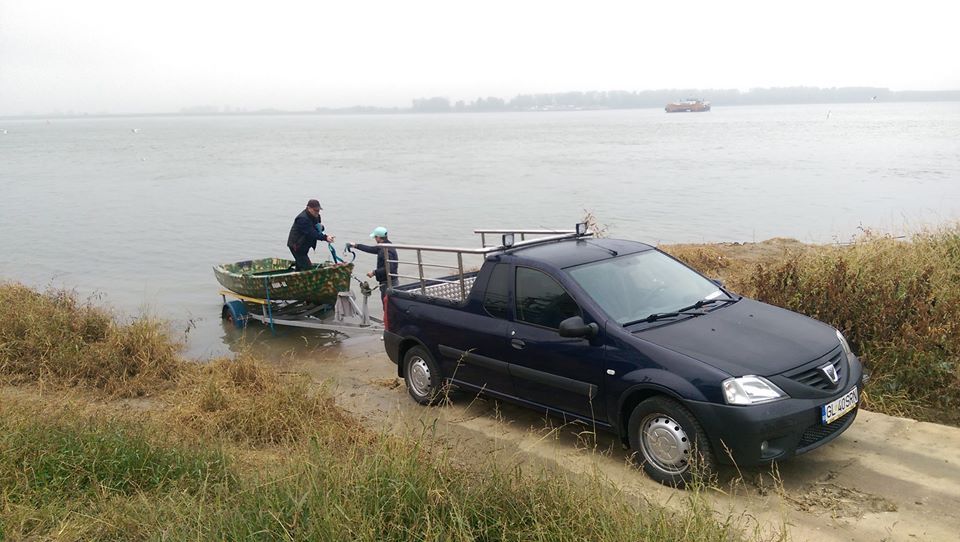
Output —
(574, 327)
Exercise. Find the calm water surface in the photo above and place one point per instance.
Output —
(138, 210)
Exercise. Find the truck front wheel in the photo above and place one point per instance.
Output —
(422, 376)
(669, 442)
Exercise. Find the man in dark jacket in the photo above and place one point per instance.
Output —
(380, 236)
(305, 233)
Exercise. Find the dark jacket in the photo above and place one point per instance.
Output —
(381, 270)
(303, 234)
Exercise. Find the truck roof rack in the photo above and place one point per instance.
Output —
(456, 280)
(522, 233)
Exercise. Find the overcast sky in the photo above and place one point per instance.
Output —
(137, 56)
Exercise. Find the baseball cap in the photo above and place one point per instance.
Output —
(379, 231)
(314, 204)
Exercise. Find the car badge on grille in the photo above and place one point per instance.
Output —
(831, 373)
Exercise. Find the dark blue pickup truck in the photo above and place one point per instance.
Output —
(624, 337)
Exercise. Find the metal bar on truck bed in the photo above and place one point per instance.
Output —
(429, 286)
(427, 279)
(530, 232)
(423, 288)
(386, 258)
(487, 250)
(463, 289)
(441, 266)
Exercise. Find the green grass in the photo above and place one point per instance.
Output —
(48, 462)
(97, 476)
(393, 491)
(62, 473)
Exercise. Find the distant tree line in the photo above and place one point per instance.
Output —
(622, 99)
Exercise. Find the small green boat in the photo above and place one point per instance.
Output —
(276, 279)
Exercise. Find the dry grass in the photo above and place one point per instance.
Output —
(51, 337)
(734, 262)
(898, 302)
(244, 402)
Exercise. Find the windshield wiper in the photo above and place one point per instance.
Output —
(660, 315)
(691, 310)
(704, 302)
(653, 317)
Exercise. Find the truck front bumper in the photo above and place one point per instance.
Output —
(762, 433)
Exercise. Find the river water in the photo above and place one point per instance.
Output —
(135, 211)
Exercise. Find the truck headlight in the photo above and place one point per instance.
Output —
(750, 390)
(846, 347)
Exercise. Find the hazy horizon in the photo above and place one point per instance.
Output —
(115, 57)
(784, 96)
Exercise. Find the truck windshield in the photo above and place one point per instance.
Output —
(632, 287)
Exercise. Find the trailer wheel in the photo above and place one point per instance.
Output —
(235, 312)
(422, 376)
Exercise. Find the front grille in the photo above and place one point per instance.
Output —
(817, 432)
(814, 376)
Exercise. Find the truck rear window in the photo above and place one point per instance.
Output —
(497, 299)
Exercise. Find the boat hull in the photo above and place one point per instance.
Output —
(687, 107)
(275, 279)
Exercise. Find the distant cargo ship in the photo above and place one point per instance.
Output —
(692, 105)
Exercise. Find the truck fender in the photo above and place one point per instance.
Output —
(406, 343)
(642, 384)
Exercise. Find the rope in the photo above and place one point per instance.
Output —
(333, 254)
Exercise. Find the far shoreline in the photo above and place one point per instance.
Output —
(556, 102)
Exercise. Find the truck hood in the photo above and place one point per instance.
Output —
(746, 337)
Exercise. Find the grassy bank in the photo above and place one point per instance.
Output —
(105, 434)
(107, 478)
(896, 300)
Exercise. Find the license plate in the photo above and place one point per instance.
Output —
(833, 410)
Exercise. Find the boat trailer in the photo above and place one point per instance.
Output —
(348, 315)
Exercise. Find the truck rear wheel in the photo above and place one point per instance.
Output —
(669, 442)
(422, 376)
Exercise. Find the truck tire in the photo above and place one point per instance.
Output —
(422, 376)
(669, 443)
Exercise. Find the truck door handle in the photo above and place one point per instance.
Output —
(517, 343)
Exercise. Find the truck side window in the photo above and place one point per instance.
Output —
(541, 300)
(496, 300)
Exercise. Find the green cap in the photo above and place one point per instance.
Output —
(379, 231)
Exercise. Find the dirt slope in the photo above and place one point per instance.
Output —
(885, 479)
